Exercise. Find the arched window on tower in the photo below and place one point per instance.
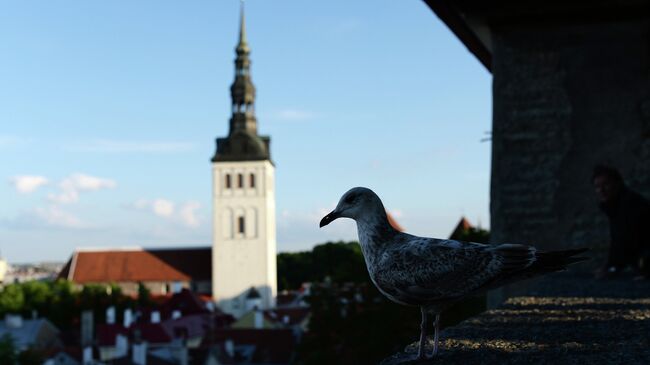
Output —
(252, 180)
(240, 180)
(228, 181)
(241, 225)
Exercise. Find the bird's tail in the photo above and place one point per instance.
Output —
(544, 263)
(552, 261)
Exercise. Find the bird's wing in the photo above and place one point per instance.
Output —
(431, 269)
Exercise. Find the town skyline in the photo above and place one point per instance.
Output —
(109, 132)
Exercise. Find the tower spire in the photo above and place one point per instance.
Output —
(242, 89)
(243, 44)
(242, 142)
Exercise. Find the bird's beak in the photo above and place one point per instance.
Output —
(329, 218)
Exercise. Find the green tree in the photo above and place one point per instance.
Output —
(7, 350)
(474, 234)
(63, 307)
(37, 296)
(12, 299)
(144, 295)
(338, 261)
(60, 301)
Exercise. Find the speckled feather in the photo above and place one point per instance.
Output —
(431, 272)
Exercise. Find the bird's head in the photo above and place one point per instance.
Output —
(355, 203)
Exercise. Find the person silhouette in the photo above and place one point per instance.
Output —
(628, 213)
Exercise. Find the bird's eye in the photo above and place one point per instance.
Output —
(350, 199)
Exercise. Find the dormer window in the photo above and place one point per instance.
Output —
(228, 181)
(252, 180)
(240, 180)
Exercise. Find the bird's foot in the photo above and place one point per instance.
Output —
(424, 356)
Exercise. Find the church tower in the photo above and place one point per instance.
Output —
(243, 193)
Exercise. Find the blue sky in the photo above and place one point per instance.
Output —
(109, 111)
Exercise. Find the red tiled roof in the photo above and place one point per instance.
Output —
(180, 264)
(107, 333)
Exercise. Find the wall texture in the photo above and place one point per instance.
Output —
(565, 98)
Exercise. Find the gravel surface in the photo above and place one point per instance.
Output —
(564, 319)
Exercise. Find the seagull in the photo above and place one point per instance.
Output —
(434, 273)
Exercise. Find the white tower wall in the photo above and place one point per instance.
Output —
(244, 246)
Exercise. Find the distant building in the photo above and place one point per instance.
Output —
(39, 334)
(3, 270)
(463, 226)
(182, 322)
(162, 271)
(18, 273)
(243, 181)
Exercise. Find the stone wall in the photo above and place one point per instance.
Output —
(565, 98)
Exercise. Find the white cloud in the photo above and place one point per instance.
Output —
(54, 216)
(162, 207)
(86, 182)
(28, 183)
(187, 214)
(112, 146)
(73, 184)
(294, 115)
(64, 197)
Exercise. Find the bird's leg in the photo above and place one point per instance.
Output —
(436, 329)
(423, 334)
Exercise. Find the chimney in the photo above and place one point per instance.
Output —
(176, 314)
(139, 353)
(230, 347)
(128, 317)
(110, 315)
(13, 321)
(259, 319)
(155, 317)
(87, 355)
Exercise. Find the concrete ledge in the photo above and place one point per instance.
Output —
(604, 322)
